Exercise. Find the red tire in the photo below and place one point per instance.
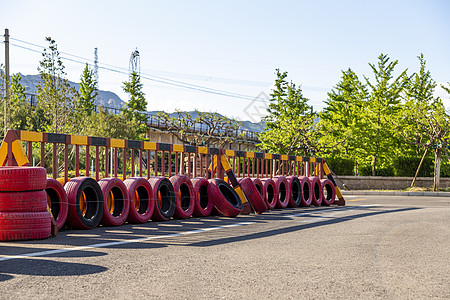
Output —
(32, 201)
(295, 191)
(224, 197)
(328, 187)
(57, 201)
(85, 203)
(116, 203)
(259, 186)
(253, 196)
(25, 225)
(184, 196)
(164, 195)
(283, 191)
(306, 191)
(17, 179)
(202, 203)
(142, 202)
(269, 193)
(317, 192)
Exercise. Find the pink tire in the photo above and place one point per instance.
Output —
(253, 196)
(85, 200)
(116, 202)
(259, 185)
(295, 191)
(24, 225)
(29, 201)
(184, 196)
(283, 191)
(224, 198)
(164, 196)
(269, 192)
(305, 183)
(57, 197)
(142, 201)
(328, 192)
(317, 191)
(202, 203)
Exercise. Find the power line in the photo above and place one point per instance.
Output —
(149, 77)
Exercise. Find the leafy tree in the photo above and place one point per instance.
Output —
(377, 137)
(88, 91)
(290, 124)
(206, 128)
(20, 111)
(137, 104)
(423, 120)
(341, 117)
(55, 95)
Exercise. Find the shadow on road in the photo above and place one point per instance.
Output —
(258, 235)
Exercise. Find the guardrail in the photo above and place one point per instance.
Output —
(145, 159)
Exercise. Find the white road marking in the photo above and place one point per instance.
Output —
(102, 245)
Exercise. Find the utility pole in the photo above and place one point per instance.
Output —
(6, 103)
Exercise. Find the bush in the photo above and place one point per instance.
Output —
(407, 166)
(366, 170)
(340, 166)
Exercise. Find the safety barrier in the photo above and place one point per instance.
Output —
(146, 159)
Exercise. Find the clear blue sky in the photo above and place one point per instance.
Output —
(233, 46)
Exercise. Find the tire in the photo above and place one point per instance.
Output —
(57, 201)
(18, 179)
(85, 203)
(142, 202)
(328, 186)
(224, 198)
(283, 191)
(259, 186)
(269, 193)
(253, 196)
(184, 196)
(32, 201)
(317, 192)
(295, 191)
(24, 225)
(306, 191)
(116, 203)
(202, 203)
(164, 195)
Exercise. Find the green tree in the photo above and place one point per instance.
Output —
(378, 138)
(423, 121)
(88, 91)
(55, 95)
(290, 124)
(341, 117)
(19, 109)
(137, 104)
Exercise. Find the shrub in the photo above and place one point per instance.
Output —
(340, 166)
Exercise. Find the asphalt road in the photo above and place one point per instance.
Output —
(375, 247)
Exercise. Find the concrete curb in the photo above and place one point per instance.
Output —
(397, 193)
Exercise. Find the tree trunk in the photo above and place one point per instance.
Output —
(374, 166)
(437, 168)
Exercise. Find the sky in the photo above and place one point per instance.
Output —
(229, 47)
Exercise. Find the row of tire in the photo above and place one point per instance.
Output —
(83, 203)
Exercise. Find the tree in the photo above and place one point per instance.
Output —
(377, 137)
(423, 120)
(88, 91)
(55, 95)
(206, 128)
(20, 111)
(341, 117)
(137, 104)
(291, 126)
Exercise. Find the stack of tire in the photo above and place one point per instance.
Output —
(23, 204)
